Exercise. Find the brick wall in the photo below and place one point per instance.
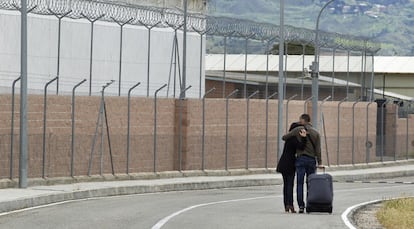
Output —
(58, 134)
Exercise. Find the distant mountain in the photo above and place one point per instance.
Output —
(390, 22)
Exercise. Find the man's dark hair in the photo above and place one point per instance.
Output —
(305, 117)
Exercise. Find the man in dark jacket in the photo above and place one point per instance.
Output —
(307, 157)
(286, 166)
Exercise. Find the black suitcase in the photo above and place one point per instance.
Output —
(320, 193)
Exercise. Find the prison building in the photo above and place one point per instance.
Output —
(391, 77)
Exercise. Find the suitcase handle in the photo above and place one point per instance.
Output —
(321, 167)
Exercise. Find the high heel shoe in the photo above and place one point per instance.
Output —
(292, 209)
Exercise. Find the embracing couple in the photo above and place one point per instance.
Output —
(301, 154)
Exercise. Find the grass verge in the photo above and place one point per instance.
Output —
(397, 214)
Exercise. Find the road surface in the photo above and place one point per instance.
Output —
(251, 207)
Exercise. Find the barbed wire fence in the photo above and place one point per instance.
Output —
(147, 16)
(201, 25)
(151, 17)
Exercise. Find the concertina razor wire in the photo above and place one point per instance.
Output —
(212, 25)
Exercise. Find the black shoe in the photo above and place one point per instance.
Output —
(301, 210)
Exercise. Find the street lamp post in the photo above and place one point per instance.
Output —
(315, 70)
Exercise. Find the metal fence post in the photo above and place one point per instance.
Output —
(175, 58)
(368, 144)
(12, 128)
(92, 21)
(394, 144)
(407, 128)
(201, 33)
(267, 66)
(155, 126)
(99, 122)
(247, 126)
(180, 126)
(246, 42)
(353, 130)
(267, 128)
(363, 83)
(121, 35)
(224, 62)
(59, 17)
(372, 84)
(347, 74)
(287, 111)
(149, 28)
(324, 128)
(44, 125)
(339, 132)
(305, 105)
(72, 145)
(107, 131)
(333, 73)
(129, 125)
(227, 126)
(224, 66)
(302, 83)
(203, 136)
(383, 107)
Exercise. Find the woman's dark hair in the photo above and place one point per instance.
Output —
(294, 125)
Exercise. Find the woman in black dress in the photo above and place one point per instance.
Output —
(286, 167)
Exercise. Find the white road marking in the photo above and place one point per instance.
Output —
(77, 200)
(165, 220)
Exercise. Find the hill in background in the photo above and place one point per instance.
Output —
(390, 22)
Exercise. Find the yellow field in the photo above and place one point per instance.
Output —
(397, 214)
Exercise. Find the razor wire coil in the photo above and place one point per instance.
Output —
(150, 16)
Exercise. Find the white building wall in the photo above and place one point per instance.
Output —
(75, 51)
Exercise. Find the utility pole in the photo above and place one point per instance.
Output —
(281, 80)
(23, 97)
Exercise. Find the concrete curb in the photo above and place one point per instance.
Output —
(370, 176)
(355, 211)
(370, 165)
(7, 183)
(349, 215)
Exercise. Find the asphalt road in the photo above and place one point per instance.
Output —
(252, 207)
